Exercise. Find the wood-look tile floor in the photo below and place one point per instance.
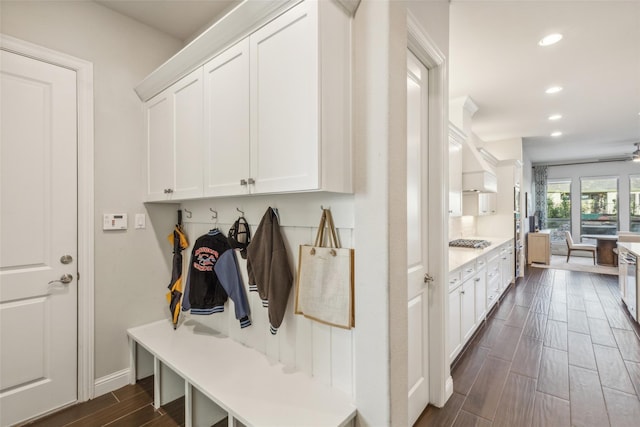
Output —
(128, 406)
(560, 350)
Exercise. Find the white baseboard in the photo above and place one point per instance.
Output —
(448, 388)
(111, 382)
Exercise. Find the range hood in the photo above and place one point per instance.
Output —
(477, 174)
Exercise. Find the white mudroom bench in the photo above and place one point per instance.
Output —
(220, 378)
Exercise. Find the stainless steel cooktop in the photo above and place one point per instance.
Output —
(469, 243)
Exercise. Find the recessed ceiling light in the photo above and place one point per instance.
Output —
(550, 39)
(553, 89)
(555, 117)
(556, 133)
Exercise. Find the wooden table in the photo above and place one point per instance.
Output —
(605, 243)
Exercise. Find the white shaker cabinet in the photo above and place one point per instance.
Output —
(479, 204)
(270, 114)
(480, 281)
(454, 335)
(226, 113)
(506, 266)
(300, 101)
(174, 141)
(462, 302)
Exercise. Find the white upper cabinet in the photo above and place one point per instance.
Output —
(479, 204)
(275, 110)
(227, 135)
(285, 101)
(300, 101)
(174, 141)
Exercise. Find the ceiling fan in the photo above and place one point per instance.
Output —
(636, 154)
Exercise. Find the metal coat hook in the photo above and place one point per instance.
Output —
(215, 214)
(323, 208)
(187, 212)
(238, 209)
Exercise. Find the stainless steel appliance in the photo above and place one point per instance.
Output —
(629, 262)
(469, 243)
(517, 243)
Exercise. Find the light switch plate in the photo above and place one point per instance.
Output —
(141, 220)
(114, 221)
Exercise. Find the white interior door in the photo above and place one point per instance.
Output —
(38, 250)
(417, 236)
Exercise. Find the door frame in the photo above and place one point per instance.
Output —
(427, 51)
(84, 83)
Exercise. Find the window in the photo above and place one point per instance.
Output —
(634, 203)
(599, 206)
(558, 212)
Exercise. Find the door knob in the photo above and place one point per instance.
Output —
(428, 278)
(65, 278)
(66, 259)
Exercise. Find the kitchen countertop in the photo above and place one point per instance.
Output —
(631, 246)
(460, 256)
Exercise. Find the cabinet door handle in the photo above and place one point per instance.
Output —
(252, 181)
(243, 182)
(461, 292)
(477, 279)
(168, 191)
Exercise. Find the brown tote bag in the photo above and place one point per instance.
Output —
(324, 286)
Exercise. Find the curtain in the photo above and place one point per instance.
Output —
(540, 185)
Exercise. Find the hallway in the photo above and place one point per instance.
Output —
(559, 350)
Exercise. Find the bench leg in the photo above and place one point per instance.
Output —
(188, 405)
(132, 361)
(156, 383)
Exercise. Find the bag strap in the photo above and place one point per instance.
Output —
(333, 235)
(321, 226)
(326, 221)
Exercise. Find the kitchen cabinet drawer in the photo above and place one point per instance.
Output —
(467, 271)
(454, 279)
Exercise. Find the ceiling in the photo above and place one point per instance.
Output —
(182, 19)
(495, 59)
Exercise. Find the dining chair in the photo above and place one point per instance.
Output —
(571, 246)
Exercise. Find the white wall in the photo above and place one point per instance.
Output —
(592, 170)
(322, 351)
(131, 267)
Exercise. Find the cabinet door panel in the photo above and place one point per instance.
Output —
(455, 338)
(284, 93)
(188, 137)
(174, 141)
(467, 309)
(159, 124)
(227, 122)
(481, 295)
